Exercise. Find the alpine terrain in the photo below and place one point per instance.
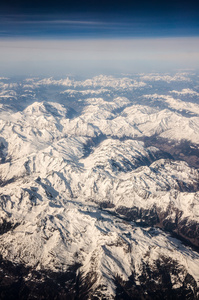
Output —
(99, 187)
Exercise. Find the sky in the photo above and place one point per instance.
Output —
(61, 37)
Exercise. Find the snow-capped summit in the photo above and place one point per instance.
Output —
(42, 108)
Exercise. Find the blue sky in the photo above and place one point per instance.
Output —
(98, 19)
(98, 36)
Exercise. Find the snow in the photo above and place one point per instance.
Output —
(185, 92)
(168, 78)
(57, 170)
(176, 103)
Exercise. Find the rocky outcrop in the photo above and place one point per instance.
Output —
(170, 220)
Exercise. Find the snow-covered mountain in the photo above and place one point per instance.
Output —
(99, 190)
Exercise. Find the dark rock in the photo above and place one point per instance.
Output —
(6, 226)
(156, 283)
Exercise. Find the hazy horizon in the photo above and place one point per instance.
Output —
(92, 56)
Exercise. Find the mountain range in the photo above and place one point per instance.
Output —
(99, 187)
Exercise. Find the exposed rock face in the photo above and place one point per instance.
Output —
(143, 217)
(166, 280)
(6, 226)
(170, 220)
